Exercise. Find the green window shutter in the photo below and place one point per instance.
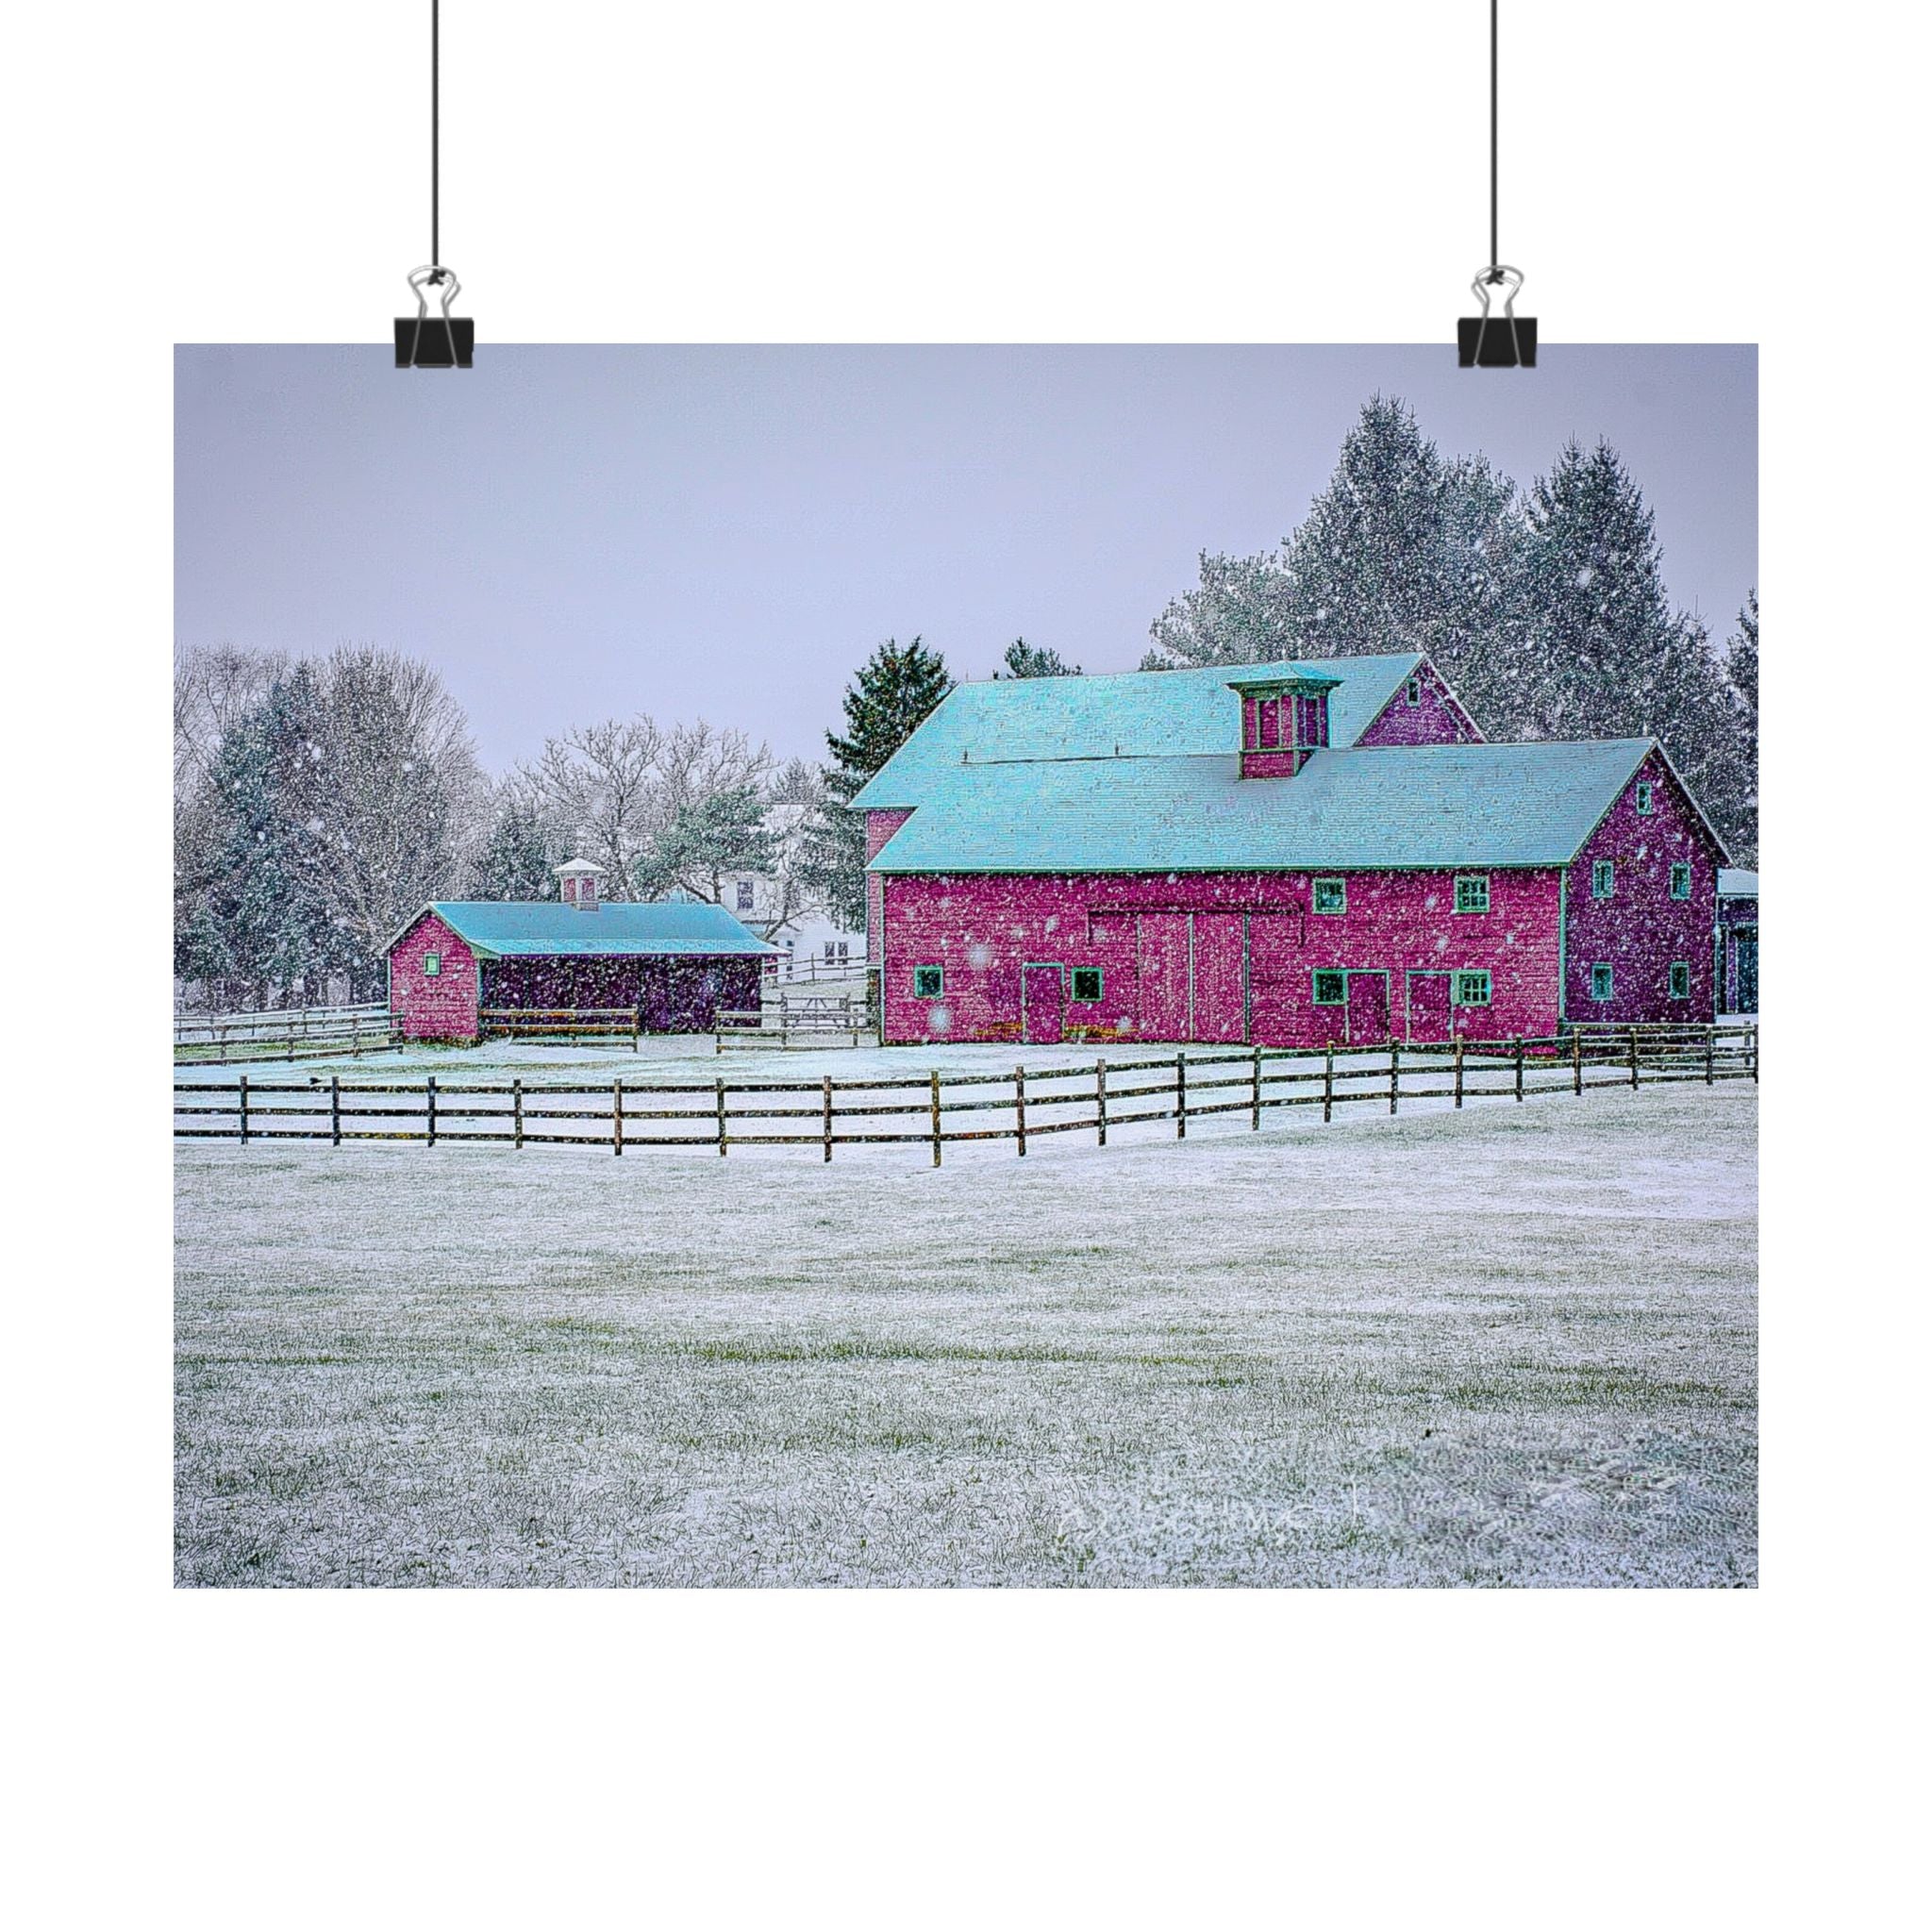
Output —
(1331, 895)
(1473, 892)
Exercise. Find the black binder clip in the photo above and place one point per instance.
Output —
(1485, 343)
(447, 341)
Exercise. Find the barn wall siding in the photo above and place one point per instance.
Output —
(1437, 719)
(443, 1008)
(1254, 953)
(879, 826)
(1640, 930)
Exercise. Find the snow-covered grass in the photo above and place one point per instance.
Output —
(1509, 1345)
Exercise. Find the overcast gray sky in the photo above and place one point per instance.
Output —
(571, 533)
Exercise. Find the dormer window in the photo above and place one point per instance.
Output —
(1284, 718)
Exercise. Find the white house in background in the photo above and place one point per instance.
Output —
(802, 935)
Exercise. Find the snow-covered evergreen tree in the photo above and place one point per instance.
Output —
(706, 840)
(517, 861)
(1035, 660)
(893, 692)
(1740, 667)
(267, 903)
(1402, 551)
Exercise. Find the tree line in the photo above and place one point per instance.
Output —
(320, 802)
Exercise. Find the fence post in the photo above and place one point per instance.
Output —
(1100, 1096)
(335, 1109)
(1518, 1066)
(244, 1110)
(1576, 1059)
(1394, 1073)
(1752, 1046)
(1710, 1057)
(1633, 1056)
(1328, 1085)
(935, 1116)
(516, 1108)
(720, 1117)
(828, 1116)
(617, 1117)
(429, 1094)
(1020, 1108)
(1255, 1121)
(1180, 1096)
(1458, 1070)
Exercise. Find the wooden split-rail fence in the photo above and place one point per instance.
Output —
(564, 1023)
(290, 1033)
(800, 1020)
(938, 1111)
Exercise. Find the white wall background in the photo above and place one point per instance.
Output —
(1060, 172)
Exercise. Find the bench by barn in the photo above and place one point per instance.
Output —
(1297, 854)
(673, 963)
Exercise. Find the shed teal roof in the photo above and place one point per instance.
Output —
(1436, 805)
(549, 928)
(1139, 713)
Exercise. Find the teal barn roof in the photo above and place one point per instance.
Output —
(548, 928)
(1413, 805)
(1732, 883)
(1134, 713)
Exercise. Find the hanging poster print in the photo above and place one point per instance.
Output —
(863, 966)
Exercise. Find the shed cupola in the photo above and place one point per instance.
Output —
(1284, 721)
(579, 879)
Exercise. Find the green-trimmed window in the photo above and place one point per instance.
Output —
(928, 982)
(1602, 879)
(1331, 989)
(1680, 881)
(1646, 797)
(432, 965)
(1414, 692)
(1472, 892)
(1470, 988)
(1680, 980)
(1085, 982)
(1331, 895)
(1603, 983)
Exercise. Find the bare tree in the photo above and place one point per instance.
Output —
(597, 787)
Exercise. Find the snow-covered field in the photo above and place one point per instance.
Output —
(1509, 1345)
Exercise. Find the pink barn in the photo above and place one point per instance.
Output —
(672, 962)
(1292, 854)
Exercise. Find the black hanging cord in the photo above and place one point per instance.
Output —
(1495, 251)
(435, 135)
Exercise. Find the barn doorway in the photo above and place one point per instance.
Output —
(1747, 968)
(1192, 970)
(1043, 1004)
(1428, 1006)
(1368, 1009)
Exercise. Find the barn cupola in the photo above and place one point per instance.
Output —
(579, 881)
(1284, 721)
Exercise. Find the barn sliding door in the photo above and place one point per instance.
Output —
(1193, 972)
